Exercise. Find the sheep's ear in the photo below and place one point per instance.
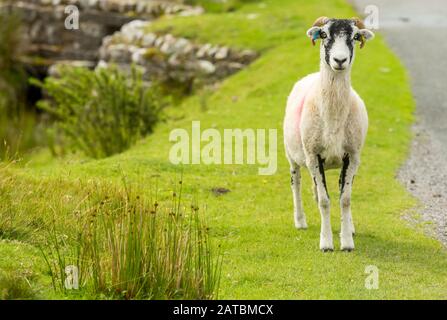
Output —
(313, 33)
(365, 35)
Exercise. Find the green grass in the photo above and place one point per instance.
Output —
(264, 256)
(21, 272)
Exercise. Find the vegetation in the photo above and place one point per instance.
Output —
(100, 112)
(264, 256)
(11, 73)
(128, 248)
(16, 285)
(124, 245)
(19, 129)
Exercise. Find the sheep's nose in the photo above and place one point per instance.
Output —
(340, 61)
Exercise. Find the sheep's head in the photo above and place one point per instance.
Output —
(337, 40)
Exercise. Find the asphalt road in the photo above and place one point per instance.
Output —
(416, 30)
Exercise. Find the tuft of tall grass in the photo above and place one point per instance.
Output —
(128, 247)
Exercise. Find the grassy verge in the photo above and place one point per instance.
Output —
(264, 256)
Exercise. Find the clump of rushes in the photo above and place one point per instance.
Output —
(130, 247)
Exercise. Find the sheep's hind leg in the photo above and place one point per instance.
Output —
(298, 213)
(315, 192)
(316, 168)
(349, 169)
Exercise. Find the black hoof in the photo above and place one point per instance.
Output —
(327, 250)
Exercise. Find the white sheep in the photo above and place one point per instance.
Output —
(326, 123)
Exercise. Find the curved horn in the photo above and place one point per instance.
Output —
(359, 24)
(320, 21)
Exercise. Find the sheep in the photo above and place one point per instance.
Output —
(325, 125)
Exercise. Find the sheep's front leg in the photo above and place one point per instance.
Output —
(316, 168)
(295, 181)
(350, 165)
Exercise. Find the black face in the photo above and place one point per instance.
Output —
(338, 30)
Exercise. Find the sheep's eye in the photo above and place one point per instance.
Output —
(323, 35)
(357, 37)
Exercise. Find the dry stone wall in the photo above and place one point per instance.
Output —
(168, 58)
(116, 31)
(48, 37)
